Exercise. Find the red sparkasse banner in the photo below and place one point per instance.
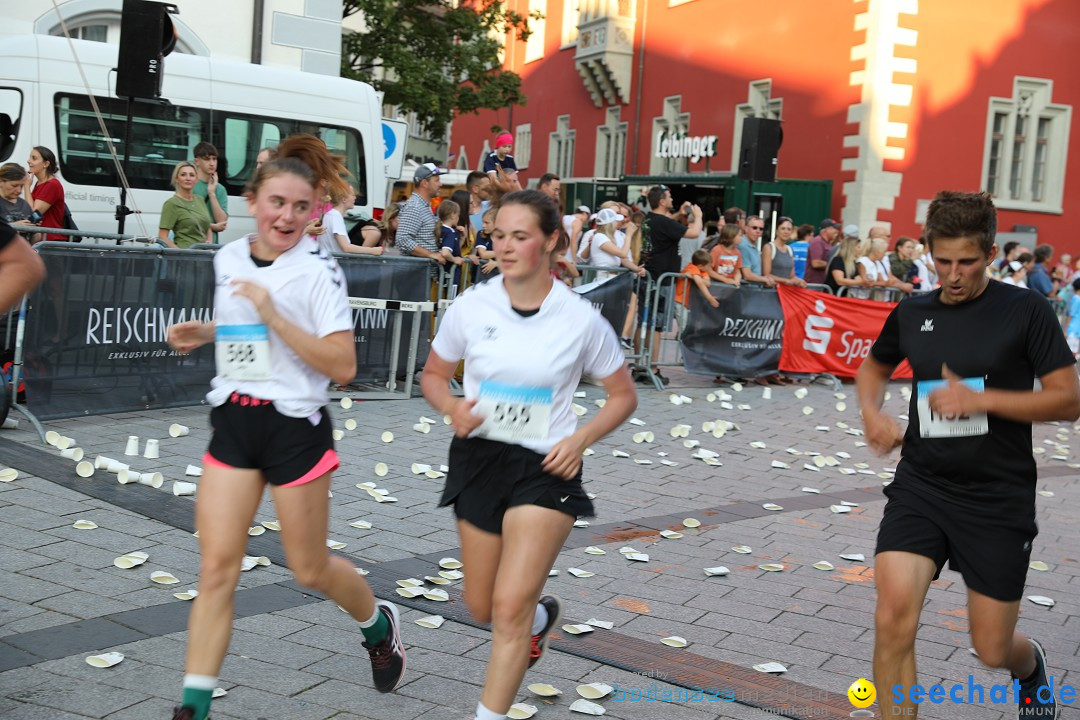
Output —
(825, 333)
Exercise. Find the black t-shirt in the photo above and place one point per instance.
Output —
(1007, 336)
(7, 234)
(662, 236)
(836, 263)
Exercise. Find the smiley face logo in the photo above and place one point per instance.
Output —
(862, 693)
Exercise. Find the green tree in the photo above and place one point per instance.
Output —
(434, 57)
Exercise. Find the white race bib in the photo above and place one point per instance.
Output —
(243, 352)
(932, 425)
(513, 413)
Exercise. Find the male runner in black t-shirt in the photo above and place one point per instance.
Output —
(662, 233)
(964, 489)
(20, 267)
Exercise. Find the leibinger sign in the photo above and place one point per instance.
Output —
(675, 145)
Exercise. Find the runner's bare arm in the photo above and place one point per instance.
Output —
(21, 269)
(187, 336)
(1059, 398)
(435, 384)
(882, 432)
(564, 459)
(333, 355)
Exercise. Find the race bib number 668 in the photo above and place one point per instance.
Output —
(242, 352)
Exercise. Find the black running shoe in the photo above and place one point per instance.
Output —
(183, 713)
(1031, 705)
(539, 643)
(388, 657)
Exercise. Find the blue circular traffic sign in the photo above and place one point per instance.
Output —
(389, 141)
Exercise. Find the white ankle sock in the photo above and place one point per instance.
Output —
(482, 713)
(539, 619)
(200, 682)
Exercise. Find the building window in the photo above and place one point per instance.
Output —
(570, 18)
(611, 146)
(672, 122)
(760, 104)
(1026, 148)
(523, 145)
(534, 46)
(561, 148)
(95, 30)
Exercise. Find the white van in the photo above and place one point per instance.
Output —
(239, 108)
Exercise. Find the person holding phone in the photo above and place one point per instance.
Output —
(46, 197)
(208, 188)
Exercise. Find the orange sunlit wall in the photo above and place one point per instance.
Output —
(708, 51)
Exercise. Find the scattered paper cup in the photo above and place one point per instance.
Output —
(519, 711)
(72, 453)
(115, 466)
(153, 479)
(193, 471)
(10, 424)
(132, 448)
(177, 430)
(105, 660)
(52, 437)
(594, 691)
(126, 476)
(152, 450)
(8, 474)
(102, 463)
(544, 690)
(183, 488)
(163, 578)
(85, 469)
(84, 525)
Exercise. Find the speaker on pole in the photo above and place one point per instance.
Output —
(761, 140)
(147, 35)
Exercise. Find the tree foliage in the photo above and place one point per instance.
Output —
(434, 57)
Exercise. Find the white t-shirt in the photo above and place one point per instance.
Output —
(599, 256)
(335, 225)
(309, 291)
(874, 270)
(552, 349)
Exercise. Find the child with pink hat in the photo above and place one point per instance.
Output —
(501, 157)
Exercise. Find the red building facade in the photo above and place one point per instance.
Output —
(892, 100)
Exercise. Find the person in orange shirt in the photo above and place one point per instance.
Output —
(698, 271)
(726, 260)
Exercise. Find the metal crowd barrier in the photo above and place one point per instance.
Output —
(877, 294)
(25, 230)
(399, 308)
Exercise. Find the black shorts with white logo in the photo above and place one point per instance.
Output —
(249, 433)
(991, 553)
(487, 477)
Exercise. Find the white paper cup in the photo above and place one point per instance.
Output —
(65, 442)
(152, 452)
(125, 476)
(132, 448)
(102, 463)
(75, 454)
(193, 471)
(183, 488)
(115, 466)
(178, 430)
(85, 469)
(52, 437)
(153, 479)
(10, 424)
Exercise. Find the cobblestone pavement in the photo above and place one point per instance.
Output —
(298, 656)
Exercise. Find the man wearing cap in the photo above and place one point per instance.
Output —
(416, 223)
(817, 256)
(501, 158)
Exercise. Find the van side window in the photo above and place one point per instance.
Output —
(245, 135)
(11, 101)
(161, 136)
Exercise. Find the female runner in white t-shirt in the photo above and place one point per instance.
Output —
(515, 461)
(282, 331)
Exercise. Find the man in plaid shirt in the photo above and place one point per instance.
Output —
(416, 223)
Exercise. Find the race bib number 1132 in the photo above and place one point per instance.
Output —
(932, 425)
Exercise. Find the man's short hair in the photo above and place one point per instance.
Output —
(474, 178)
(1043, 253)
(656, 194)
(1009, 247)
(204, 150)
(954, 214)
(546, 179)
(734, 215)
(803, 231)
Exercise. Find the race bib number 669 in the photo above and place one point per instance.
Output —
(242, 352)
(513, 413)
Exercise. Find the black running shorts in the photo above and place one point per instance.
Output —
(249, 433)
(991, 553)
(488, 477)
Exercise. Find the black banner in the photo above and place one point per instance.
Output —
(611, 297)
(741, 338)
(96, 327)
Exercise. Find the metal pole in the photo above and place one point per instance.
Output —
(121, 210)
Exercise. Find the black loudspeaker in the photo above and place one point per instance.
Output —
(147, 35)
(761, 140)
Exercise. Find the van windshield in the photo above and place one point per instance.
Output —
(11, 101)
